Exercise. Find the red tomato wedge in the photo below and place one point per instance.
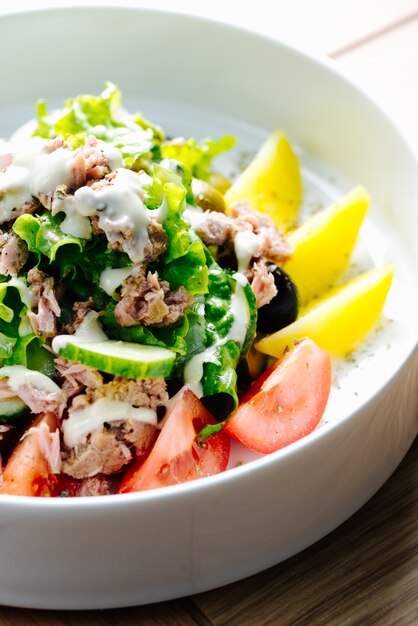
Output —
(286, 402)
(27, 472)
(177, 456)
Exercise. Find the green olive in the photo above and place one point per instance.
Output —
(207, 197)
(220, 183)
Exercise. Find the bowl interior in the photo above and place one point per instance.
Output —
(199, 78)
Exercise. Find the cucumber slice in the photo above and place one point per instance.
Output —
(120, 358)
(12, 408)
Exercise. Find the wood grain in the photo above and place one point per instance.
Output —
(364, 573)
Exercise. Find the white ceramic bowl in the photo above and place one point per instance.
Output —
(200, 77)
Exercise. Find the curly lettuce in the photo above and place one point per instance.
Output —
(43, 234)
(18, 344)
(197, 157)
(104, 117)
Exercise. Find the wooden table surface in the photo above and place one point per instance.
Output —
(366, 571)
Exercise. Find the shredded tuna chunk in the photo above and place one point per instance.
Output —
(80, 310)
(41, 400)
(274, 247)
(147, 300)
(77, 377)
(269, 245)
(158, 241)
(44, 322)
(97, 163)
(107, 450)
(153, 249)
(90, 163)
(215, 228)
(49, 443)
(56, 143)
(13, 254)
(26, 208)
(149, 393)
(263, 284)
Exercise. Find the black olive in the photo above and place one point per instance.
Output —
(283, 309)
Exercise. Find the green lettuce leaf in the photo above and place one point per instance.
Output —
(184, 262)
(172, 337)
(80, 272)
(92, 259)
(197, 157)
(189, 271)
(43, 234)
(219, 378)
(207, 431)
(17, 345)
(219, 381)
(30, 352)
(104, 117)
(166, 193)
(15, 300)
(6, 346)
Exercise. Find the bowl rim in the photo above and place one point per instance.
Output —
(257, 465)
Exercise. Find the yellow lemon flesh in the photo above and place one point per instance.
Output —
(339, 320)
(272, 182)
(322, 246)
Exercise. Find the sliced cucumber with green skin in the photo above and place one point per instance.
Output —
(11, 409)
(120, 358)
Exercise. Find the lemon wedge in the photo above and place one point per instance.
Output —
(272, 182)
(322, 246)
(338, 321)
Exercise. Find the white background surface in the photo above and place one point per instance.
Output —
(323, 26)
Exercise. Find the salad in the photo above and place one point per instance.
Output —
(151, 311)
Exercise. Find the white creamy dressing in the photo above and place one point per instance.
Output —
(90, 330)
(193, 371)
(240, 311)
(111, 278)
(193, 215)
(81, 422)
(33, 171)
(159, 214)
(112, 154)
(247, 245)
(49, 170)
(73, 223)
(16, 179)
(20, 376)
(120, 209)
